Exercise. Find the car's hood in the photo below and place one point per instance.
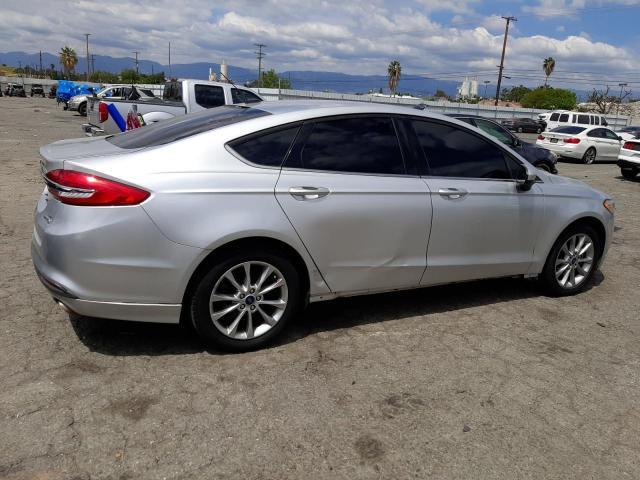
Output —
(78, 97)
(572, 182)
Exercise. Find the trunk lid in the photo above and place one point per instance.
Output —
(55, 154)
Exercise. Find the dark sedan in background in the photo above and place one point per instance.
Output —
(524, 125)
(537, 156)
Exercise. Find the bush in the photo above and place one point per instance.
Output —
(550, 99)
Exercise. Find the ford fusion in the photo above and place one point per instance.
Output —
(236, 217)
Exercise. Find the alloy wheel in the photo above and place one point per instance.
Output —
(589, 156)
(248, 300)
(574, 261)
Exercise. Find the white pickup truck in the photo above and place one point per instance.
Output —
(110, 116)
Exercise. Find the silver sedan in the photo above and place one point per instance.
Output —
(236, 217)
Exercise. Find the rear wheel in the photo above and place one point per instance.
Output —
(572, 261)
(629, 173)
(246, 300)
(519, 129)
(589, 156)
(538, 130)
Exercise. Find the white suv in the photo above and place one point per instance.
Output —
(564, 118)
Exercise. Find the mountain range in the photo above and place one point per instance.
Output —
(300, 80)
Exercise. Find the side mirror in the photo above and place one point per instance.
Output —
(526, 178)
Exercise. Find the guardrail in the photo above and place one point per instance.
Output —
(489, 111)
(47, 83)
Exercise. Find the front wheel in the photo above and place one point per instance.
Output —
(589, 156)
(82, 109)
(519, 129)
(246, 300)
(572, 261)
(545, 167)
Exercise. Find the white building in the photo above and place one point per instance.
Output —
(468, 89)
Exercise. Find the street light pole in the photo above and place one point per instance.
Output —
(621, 85)
(87, 36)
(137, 72)
(504, 48)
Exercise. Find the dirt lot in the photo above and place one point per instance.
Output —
(483, 380)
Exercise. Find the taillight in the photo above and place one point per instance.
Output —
(79, 188)
(540, 137)
(631, 146)
(104, 113)
(571, 140)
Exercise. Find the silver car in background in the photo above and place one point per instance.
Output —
(237, 216)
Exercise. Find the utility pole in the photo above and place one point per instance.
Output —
(621, 85)
(486, 84)
(40, 62)
(87, 35)
(504, 48)
(137, 71)
(93, 63)
(169, 58)
(260, 55)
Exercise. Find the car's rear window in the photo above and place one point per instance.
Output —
(184, 126)
(569, 130)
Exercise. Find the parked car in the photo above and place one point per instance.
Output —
(15, 90)
(37, 89)
(78, 103)
(537, 156)
(109, 116)
(586, 144)
(237, 216)
(629, 133)
(564, 118)
(526, 125)
(629, 158)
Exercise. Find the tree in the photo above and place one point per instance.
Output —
(270, 79)
(548, 65)
(100, 76)
(550, 99)
(605, 102)
(394, 70)
(440, 94)
(514, 94)
(68, 60)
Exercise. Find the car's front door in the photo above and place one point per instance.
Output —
(613, 144)
(365, 221)
(483, 225)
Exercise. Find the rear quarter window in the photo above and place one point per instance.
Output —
(268, 148)
(564, 118)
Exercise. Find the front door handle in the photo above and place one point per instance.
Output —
(452, 193)
(308, 193)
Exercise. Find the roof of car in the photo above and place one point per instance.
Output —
(311, 108)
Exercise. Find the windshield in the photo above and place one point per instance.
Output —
(569, 130)
(184, 126)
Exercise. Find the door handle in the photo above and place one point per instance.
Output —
(308, 193)
(452, 193)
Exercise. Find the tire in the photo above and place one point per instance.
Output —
(628, 173)
(589, 156)
(538, 131)
(544, 166)
(519, 129)
(562, 255)
(82, 109)
(248, 304)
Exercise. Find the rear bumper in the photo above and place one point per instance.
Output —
(91, 130)
(136, 312)
(629, 163)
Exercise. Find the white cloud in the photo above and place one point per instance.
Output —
(360, 36)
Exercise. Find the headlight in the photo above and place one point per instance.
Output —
(610, 205)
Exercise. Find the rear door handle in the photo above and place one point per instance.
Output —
(308, 193)
(452, 193)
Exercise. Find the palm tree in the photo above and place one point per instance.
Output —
(394, 71)
(68, 60)
(548, 65)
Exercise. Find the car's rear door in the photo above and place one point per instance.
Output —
(482, 226)
(361, 213)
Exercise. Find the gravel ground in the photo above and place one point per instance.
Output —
(481, 380)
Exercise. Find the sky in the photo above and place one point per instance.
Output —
(594, 42)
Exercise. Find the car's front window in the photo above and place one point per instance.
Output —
(495, 131)
(453, 152)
